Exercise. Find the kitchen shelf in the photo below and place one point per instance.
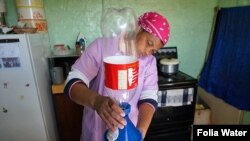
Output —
(62, 56)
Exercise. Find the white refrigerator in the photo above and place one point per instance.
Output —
(26, 105)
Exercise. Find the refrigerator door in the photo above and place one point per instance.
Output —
(21, 115)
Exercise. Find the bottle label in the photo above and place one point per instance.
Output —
(121, 72)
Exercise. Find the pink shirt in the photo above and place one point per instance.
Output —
(89, 68)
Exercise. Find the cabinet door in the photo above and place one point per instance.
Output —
(69, 118)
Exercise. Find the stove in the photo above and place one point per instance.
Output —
(174, 117)
(176, 80)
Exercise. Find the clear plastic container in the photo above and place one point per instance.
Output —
(121, 69)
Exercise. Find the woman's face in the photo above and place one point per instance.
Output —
(147, 43)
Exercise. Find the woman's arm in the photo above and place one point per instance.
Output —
(81, 95)
(107, 108)
(146, 112)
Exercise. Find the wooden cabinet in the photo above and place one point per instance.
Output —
(68, 116)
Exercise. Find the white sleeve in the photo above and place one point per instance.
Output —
(75, 73)
(149, 94)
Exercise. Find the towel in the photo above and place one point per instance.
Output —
(175, 97)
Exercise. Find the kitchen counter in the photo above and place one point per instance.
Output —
(57, 88)
(68, 114)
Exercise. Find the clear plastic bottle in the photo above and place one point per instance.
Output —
(122, 68)
(124, 65)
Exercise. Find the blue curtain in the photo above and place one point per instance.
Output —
(226, 72)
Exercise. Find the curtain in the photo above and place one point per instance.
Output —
(226, 72)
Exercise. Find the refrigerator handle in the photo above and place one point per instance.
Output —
(9, 40)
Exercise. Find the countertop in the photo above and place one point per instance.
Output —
(57, 88)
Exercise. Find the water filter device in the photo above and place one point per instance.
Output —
(122, 68)
(121, 80)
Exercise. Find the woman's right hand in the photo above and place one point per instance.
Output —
(110, 112)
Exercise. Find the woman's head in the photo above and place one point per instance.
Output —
(153, 34)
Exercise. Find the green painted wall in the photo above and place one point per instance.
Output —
(190, 21)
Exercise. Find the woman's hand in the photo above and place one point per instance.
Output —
(108, 109)
(110, 112)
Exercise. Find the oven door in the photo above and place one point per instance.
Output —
(173, 134)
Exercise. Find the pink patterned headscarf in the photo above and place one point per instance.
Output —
(155, 24)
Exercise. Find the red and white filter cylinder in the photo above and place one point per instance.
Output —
(121, 76)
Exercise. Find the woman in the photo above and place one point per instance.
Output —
(85, 82)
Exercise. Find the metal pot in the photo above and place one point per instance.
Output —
(169, 66)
